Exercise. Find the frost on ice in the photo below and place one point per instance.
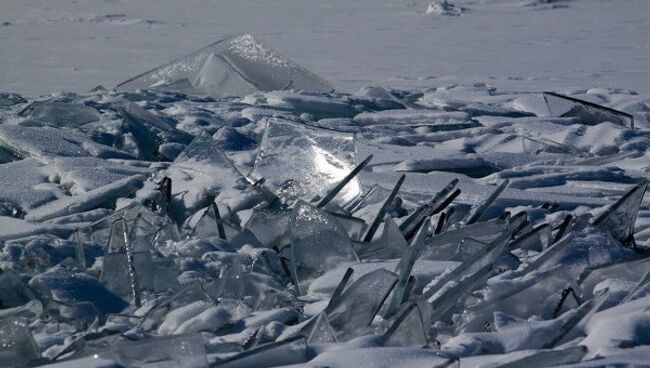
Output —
(441, 226)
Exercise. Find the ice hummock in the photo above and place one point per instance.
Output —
(111, 249)
(234, 66)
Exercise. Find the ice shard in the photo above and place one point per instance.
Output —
(444, 301)
(338, 187)
(184, 351)
(355, 308)
(17, 346)
(536, 239)
(588, 112)
(318, 243)
(13, 291)
(477, 211)
(428, 209)
(367, 204)
(404, 269)
(210, 224)
(382, 211)
(234, 66)
(391, 244)
(620, 218)
(535, 146)
(118, 263)
(322, 331)
(479, 260)
(305, 161)
(406, 329)
(286, 352)
(60, 114)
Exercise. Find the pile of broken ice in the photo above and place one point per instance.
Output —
(149, 227)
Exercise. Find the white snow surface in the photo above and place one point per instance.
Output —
(94, 258)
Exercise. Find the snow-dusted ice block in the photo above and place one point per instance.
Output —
(60, 114)
(67, 286)
(234, 66)
(440, 120)
(318, 243)
(95, 198)
(199, 173)
(306, 161)
(43, 141)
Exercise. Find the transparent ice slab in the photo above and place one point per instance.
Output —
(17, 346)
(234, 66)
(186, 351)
(588, 112)
(289, 351)
(318, 243)
(306, 161)
(355, 308)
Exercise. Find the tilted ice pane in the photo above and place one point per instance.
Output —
(311, 160)
(17, 346)
(218, 78)
(318, 243)
(186, 351)
(589, 112)
(356, 307)
(233, 66)
(620, 218)
(406, 329)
